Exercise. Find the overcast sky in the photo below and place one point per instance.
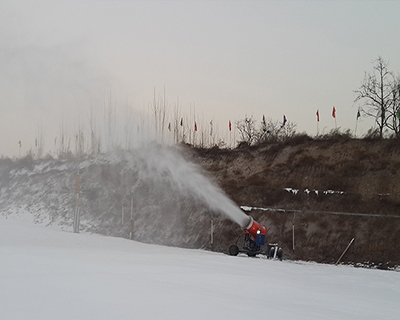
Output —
(218, 60)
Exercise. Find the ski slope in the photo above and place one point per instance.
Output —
(51, 274)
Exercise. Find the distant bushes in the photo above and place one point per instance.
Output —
(336, 135)
(275, 142)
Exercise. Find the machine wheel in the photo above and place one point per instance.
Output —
(251, 254)
(279, 254)
(234, 250)
(271, 252)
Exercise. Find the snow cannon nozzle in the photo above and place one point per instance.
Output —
(254, 228)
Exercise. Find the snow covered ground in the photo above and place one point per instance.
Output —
(47, 273)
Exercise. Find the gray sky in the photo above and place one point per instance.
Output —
(220, 60)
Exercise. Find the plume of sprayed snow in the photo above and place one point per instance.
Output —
(188, 179)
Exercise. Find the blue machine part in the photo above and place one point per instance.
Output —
(260, 239)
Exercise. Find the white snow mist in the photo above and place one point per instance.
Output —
(188, 179)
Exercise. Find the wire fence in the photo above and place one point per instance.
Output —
(369, 215)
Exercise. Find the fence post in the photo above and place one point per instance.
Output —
(345, 250)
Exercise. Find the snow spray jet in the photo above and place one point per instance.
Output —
(187, 177)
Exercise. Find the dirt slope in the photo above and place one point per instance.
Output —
(319, 178)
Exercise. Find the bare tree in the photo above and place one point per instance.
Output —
(163, 116)
(274, 131)
(160, 113)
(62, 148)
(157, 115)
(177, 123)
(247, 130)
(80, 141)
(269, 131)
(109, 120)
(128, 126)
(393, 122)
(288, 130)
(376, 92)
(95, 138)
(39, 142)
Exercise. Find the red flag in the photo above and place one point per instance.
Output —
(195, 126)
(334, 112)
(230, 126)
(318, 115)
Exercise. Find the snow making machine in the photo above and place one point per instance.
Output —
(252, 242)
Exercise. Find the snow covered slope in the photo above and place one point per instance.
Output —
(169, 199)
(52, 274)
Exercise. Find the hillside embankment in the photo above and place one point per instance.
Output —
(330, 191)
(314, 196)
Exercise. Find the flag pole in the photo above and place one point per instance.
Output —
(358, 115)
(355, 131)
(230, 134)
(334, 115)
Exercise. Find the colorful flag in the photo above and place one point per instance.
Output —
(20, 144)
(195, 126)
(169, 126)
(358, 114)
(317, 115)
(334, 112)
(230, 125)
(181, 122)
(284, 120)
(264, 121)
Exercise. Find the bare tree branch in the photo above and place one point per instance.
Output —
(376, 93)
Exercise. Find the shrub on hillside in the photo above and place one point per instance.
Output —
(372, 134)
(297, 139)
(5, 161)
(337, 135)
(26, 161)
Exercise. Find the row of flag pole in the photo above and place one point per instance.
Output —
(229, 124)
(264, 122)
(283, 123)
(333, 114)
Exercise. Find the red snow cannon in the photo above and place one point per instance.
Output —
(252, 242)
(256, 231)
